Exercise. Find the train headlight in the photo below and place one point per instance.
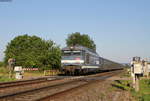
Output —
(71, 47)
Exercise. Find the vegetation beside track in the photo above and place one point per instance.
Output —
(6, 79)
(4, 74)
(126, 85)
(126, 73)
(29, 74)
(144, 93)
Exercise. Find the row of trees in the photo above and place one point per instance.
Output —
(32, 51)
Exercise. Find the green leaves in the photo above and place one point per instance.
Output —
(32, 51)
(78, 39)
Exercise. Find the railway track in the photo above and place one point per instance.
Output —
(22, 82)
(43, 90)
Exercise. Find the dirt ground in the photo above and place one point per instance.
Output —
(99, 91)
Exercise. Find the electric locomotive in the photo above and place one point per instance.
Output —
(79, 59)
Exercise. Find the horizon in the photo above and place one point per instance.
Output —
(120, 29)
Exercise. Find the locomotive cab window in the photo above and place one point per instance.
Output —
(77, 53)
(71, 53)
(66, 53)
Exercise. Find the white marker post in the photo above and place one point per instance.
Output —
(145, 69)
(136, 72)
(148, 65)
(19, 72)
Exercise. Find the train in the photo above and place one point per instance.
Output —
(81, 60)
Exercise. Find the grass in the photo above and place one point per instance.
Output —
(6, 79)
(3, 71)
(145, 86)
(33, 74)
(122, 84)
(142, 95)
(126, 73)
(4, 75)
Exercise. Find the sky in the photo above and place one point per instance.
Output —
(120, 28)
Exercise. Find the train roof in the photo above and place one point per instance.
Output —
(78, 47)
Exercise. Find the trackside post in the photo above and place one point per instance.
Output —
(136, 71)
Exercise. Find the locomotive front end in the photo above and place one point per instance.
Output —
(72, 60)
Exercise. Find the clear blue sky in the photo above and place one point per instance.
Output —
(120, 28)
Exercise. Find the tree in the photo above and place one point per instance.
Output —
(32, 51)
(78, 39)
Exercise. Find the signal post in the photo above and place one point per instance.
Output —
(11, 65)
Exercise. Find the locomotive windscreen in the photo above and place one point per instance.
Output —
(71, 55)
